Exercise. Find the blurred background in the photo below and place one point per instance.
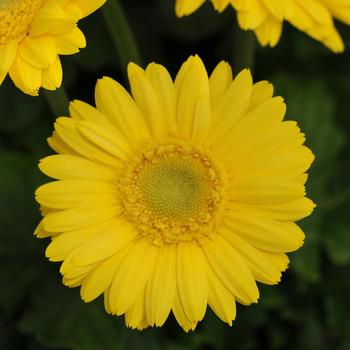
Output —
(310, 307)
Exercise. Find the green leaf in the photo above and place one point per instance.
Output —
(60, 319)
(306, 262)
(337, 237)
(18, 110)
(21, 257)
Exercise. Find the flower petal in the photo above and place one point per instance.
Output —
(232, 270)
(192, 281)
(161, 287)
(132, 276)
(265, 233)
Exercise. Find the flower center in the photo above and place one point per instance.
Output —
(173, 193)
(173, 187)
(16, 17)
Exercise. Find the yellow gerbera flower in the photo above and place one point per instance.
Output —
(180, 196)
(266, 17)
(32, 35)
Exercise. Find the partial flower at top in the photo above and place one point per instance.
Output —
(180, 196)
(266, 17)
(32, 35)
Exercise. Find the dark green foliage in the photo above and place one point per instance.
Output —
(308, 310)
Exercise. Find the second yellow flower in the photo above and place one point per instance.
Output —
(266, 17)
(32, 35)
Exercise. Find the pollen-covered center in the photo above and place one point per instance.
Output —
(16, 17)
(174, 188)
(173, 193)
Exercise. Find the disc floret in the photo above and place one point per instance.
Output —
(173, 193)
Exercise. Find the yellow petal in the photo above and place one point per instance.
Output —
(253, 15)
(220, 299)
(290, 164)
(105, 244)
(219, 81)
(164, 90)
(275, 7)
(269, 32)
(25, 76)
(39, 52)
(58, 145)
(147, 100)
(85, 214)
(109, 140)
(265, 233)
(52, 76)
(132, 276)
(40, 232)
(220, 5)
(47, 18)
(180, 315)
(273, 138)
(266, 190)
(202, 120)
(191, 85)
(290, 211)
(90, 6)
(7, 56)
(73, 282)
(192, 281)
(161, 287)
(232, 270)
(186, 7)
(135, 317)
(101, 277)
(232, 106)
(117, 104)
(65, 194)
(70, 43)
(261, 267)
(67, 130)
(262, 91)
(65, 243)
(75, 272)
(66, 166)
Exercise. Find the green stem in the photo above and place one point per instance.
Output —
(244, 49)
(121, 33)
(58, 101)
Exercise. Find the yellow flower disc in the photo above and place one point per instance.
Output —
(15, 19)
(173, 194)
(266, 17)
(180, 196)
(33, 33)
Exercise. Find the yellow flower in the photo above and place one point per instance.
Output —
(32, 35)
(266, 17)
(180, 196)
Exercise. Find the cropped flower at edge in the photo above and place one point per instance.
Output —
(33, 33)
(180, 196)
(266, 17)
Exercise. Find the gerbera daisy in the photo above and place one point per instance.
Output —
(266, 17)
(181, 195)
(32, 35)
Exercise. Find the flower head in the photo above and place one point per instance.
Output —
(33, 33)
(266, 17)
(181, 195)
